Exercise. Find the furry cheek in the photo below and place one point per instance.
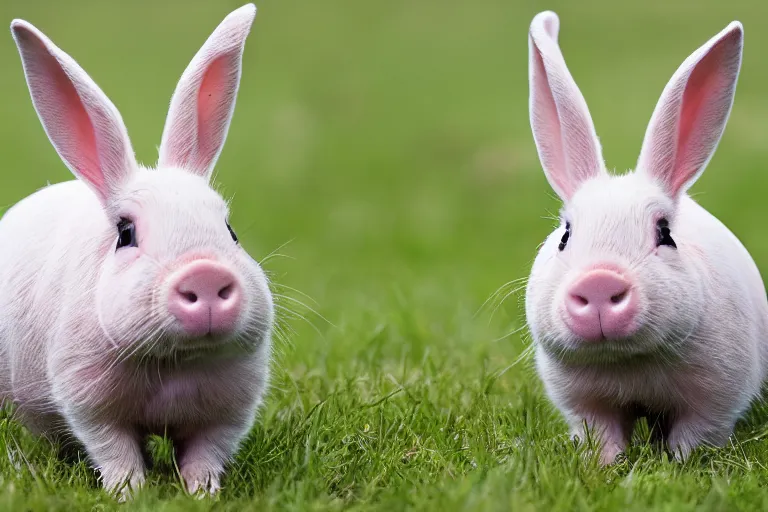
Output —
(126, 256)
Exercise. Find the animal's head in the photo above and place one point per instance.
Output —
(615, 279)
(173, 278)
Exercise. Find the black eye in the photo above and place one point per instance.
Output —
(126, 234)
(566, 236)
(232, 233)
(663, 236)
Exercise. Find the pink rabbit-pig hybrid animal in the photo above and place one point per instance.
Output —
(641, 303)
(126, 304)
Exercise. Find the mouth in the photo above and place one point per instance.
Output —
(591, 352)
(203, 349)
(641, 347)
(207, 342)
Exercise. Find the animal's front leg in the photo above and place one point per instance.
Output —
(690, 430)
(203, 455)
(116, 452)
(609, 427)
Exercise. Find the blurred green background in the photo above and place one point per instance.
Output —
(384, 148)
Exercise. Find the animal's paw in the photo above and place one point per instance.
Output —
(691, 432)
(606, 456)
(200, 481)
(123, 484)
(609, 454)
(681, 451)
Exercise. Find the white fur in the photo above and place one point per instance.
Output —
(700, 353)
(87, 344)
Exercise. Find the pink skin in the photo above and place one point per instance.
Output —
(206, 298)
(674, 299)
(599, 305)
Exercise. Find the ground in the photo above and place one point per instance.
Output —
(381, 167)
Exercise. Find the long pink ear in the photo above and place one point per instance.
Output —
(84, 126)
(202, 106)
(692, 112)
(562, 126)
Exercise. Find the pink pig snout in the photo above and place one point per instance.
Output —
(205, 297)
(601, 304)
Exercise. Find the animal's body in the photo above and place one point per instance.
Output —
(642, 303)
(127, 306)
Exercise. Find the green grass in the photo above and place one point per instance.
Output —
(384, 149)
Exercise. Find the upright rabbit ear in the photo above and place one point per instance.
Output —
(562, 127)
(202, 106)
(692, 112)
(84, 126)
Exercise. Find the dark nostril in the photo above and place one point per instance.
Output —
(619, 297)
(190, 296)
(580, 300)
(225, 292)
